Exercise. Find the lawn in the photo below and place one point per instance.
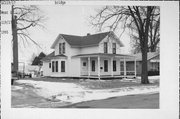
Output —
(57, 92)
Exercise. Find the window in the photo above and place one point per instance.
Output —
(49, 65)
(59, 48)
(56, 66)
(62, 66)
(52, 66)
(105, 65)
(114, 65)
(114, 48)
(105, 47)
(63, 48)
(93, 65)
(84, 64)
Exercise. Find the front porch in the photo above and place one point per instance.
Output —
(102, 65)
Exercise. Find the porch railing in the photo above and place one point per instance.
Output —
(128, 73)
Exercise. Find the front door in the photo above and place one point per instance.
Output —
(84, 68)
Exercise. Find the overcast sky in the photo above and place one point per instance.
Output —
(72, 20)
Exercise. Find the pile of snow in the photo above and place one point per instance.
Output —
(129, 80)
(16, 87)
(73, 93)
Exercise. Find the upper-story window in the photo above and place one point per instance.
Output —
(114, 48)
(61, 48)
(105, 47)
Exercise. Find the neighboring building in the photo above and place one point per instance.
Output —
(93, 56)
(153, 62)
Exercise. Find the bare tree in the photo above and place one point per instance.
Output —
(135, 18)
(154, 35)
(24, 18)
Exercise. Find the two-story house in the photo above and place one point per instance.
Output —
(92, 56)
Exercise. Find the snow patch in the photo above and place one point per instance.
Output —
(73, 93)
(16, 88)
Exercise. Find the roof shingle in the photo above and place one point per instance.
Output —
(81, 41)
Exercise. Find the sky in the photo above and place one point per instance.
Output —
(67, 19)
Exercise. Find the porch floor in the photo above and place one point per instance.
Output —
(107, 76)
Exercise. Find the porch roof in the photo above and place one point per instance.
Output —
(52, 56)
(104, 55)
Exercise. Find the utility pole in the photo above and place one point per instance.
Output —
(15, 43)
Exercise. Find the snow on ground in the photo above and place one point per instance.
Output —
(16, 88)
(152, 79)
(73, 93)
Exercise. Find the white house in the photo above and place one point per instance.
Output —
(91, 56)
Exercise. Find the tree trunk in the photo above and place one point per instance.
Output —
(144, 74)
(15, 44)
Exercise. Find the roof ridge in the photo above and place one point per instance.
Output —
(86, 35)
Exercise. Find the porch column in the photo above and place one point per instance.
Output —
(89, 66)
(120, 67)
(99, 67)
(135, 67)
(111, 66)
(124, 67)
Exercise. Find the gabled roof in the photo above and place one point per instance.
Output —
(150, 55)
(82, 41)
